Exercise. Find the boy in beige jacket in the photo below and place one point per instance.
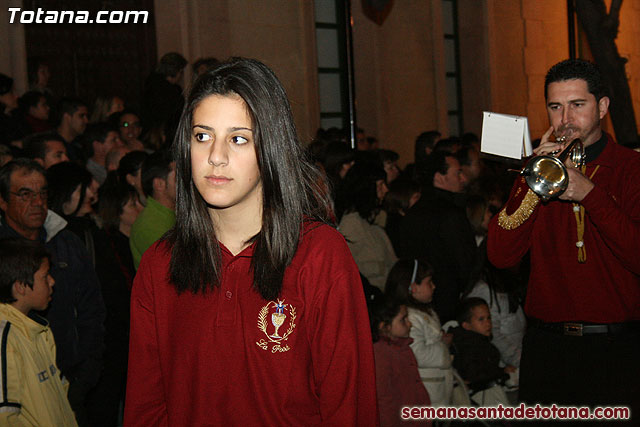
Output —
(32, 391)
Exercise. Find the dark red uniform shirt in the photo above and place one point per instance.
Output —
(604, 289)
(218, 359)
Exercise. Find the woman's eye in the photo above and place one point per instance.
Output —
(239, 140)
(202, 137)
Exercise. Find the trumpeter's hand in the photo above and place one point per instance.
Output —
(579, 186)
(546, 146)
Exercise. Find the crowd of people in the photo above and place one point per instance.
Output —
(151, 242)
(418, 237)
(96, 189)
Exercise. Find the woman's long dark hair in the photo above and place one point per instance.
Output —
(63, 179)
(114, 195)
(357, 192)
(290, 184)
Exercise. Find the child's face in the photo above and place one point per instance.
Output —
(400, 325)
(38, 297)
(423, 291)
(480, 321)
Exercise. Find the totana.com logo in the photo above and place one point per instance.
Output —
(41, 16)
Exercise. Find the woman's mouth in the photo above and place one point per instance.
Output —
(217, 180)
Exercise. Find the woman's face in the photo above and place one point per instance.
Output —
(223, 155)
(90, 197)
(70, 205)
(40, 110)
(130, 127)
(130, 211)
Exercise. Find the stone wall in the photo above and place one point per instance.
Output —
(279, 33)
(399, 74)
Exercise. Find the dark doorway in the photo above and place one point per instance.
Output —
(90, 60)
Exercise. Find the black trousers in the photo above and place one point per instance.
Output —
(590, 370)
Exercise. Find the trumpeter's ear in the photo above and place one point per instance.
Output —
(603, 106)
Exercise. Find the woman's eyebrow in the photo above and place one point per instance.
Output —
(203, 127)
(231, 129)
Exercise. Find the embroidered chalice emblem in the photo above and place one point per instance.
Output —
(278, 318)
(281, 314)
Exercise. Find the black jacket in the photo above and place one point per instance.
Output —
(476, 359)
(436, 228)
(162, 102)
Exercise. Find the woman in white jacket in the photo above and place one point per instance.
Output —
(410, 281)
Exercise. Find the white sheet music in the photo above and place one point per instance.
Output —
(505, 135)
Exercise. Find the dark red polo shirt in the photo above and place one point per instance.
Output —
(217, 358)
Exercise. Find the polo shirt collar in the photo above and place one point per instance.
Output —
(227, 256)
(594, 151)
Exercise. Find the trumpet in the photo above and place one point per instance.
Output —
(547, 175)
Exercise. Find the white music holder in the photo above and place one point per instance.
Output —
(505, 135)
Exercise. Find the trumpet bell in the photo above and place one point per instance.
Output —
(546, 176)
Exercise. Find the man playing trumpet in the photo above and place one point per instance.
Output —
(582, 344)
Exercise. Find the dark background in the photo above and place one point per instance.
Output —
(90, 60)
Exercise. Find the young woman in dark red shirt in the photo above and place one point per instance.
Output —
(250, 310)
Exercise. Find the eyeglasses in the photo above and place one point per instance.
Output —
(134, 124)
(29, 195)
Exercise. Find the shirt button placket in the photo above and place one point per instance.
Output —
(228, 312)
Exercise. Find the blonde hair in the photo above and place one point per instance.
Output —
(102, 108)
